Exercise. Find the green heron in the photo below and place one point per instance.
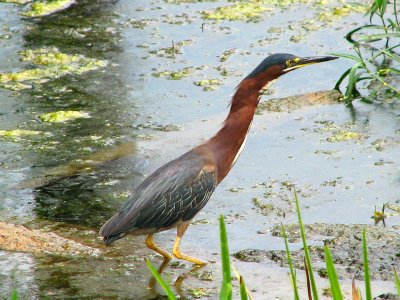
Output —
(172, 195)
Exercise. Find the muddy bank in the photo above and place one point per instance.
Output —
(345, 244)
(22, 239)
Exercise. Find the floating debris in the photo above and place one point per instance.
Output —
(299, 101)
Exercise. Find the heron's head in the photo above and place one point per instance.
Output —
(278, 64)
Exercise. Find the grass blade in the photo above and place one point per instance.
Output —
(351, 89)
(14, 295)
(368, 293)
(397, 282)
(161, 281)
(333, 280)
(382, 8)
(226, 289)
(243, 289)
(340, 80)
(306, 252)
(289, 258)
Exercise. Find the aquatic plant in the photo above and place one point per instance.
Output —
(381, 67)
(335, 290)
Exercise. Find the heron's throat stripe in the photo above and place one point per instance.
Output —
(240, 151)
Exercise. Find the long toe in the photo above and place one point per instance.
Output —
(180, 255)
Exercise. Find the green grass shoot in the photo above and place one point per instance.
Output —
(165, 286)
(292, 270)
(368, 293)
(397, 282)
(306, 252)
(243, 289)
(226, 289)
(14, 295)
(333, 279)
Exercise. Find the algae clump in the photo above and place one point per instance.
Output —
(175, 75)
(62, 116)
(339, 12)
(17, 133)
(44, 8)
(16, 1)
(51, 63)
(343, 135)
(247, 11)
(208, 84)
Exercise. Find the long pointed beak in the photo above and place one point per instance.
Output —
(305, 61)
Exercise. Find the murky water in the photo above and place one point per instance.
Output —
(48, 180)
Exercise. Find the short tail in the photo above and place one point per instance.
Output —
(116, 228)
(109, 235)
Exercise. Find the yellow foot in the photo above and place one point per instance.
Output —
(177, 253)
(151, 245)
(192, 259)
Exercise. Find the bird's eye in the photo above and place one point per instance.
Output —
(290, 62)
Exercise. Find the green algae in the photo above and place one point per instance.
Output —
(173, 51)
(18, 133)
(199, 292)
(250, 10)
(175, 75)
(226, 55)
(343, 135)
(16, 1)
(62, 116)
(247, 11)
(51, 63)
(44, 8)
(140, 23)
(341, 11)
(209, 84)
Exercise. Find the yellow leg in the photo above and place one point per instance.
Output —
(177, 252)
(151, 245)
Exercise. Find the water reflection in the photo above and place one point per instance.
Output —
(80, 171)
(89, 192)
(81, 193)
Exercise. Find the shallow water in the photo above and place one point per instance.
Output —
(340, 182)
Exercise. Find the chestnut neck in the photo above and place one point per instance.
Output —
(227, 144)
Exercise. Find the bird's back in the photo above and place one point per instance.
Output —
(175, 192)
